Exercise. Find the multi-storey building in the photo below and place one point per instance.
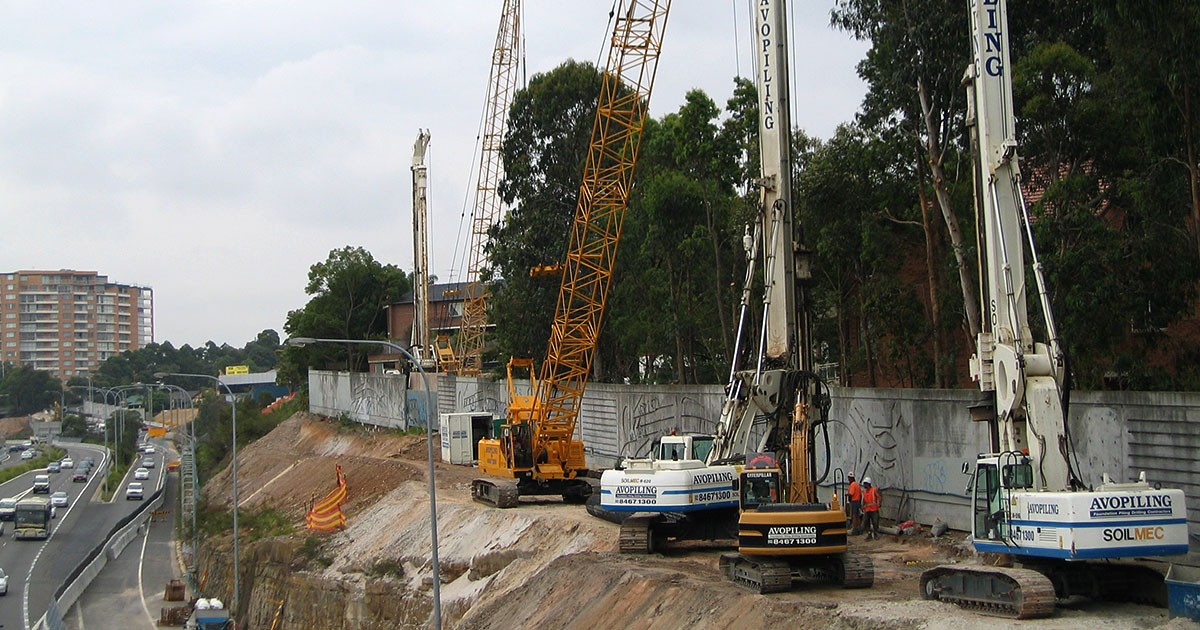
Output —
(67, 322)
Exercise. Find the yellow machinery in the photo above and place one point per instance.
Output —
(506, 59)
(545, 424)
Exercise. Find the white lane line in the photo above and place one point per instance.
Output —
(79, 615)
(141, 588)
(53, 531)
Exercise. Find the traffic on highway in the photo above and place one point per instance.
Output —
(51, 518)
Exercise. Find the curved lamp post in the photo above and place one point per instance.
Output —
(233, 405)
(437, 598)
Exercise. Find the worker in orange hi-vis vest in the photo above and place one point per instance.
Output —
(854, 496)
(871, 501)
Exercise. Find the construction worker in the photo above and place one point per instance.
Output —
(871, 500)
(854, 496)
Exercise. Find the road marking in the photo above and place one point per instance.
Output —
(141, 588)
(53, 530)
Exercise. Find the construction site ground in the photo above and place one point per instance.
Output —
(548, 564)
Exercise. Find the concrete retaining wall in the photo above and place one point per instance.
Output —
(912, 442)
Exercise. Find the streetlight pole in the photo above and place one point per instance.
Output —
(233, 406)
(191, 435)
(437, 576)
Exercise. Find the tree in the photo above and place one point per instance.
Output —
(919, 49)
(550, 124)
(350, 291)
(25, 390)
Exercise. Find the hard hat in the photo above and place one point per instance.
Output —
(867, 481)
(850, 475)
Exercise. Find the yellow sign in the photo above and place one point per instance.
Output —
(237, 369)
(156, 431)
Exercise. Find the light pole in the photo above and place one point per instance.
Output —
(437, 576)
(191, 435)
(233, 406)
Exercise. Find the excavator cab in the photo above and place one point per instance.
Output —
(758, 487)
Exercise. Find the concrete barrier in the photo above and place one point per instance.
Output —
(68, 593)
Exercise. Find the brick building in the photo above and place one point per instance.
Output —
(68, 322)
(446, 303)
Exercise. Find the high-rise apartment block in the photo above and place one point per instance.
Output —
(67, 322)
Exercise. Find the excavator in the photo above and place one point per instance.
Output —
(537, 451)
(696, 487)
(1029, 506)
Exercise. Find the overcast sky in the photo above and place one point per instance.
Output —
(214, 150)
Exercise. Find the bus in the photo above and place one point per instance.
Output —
(33, 518)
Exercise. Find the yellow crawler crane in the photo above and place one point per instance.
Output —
(545, 424)
(506, 60)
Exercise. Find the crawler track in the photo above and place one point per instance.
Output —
(501, 493)
(1003, 592)
(637, 534)
(761, 575)
(858, 571)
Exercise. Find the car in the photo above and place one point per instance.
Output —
(27, 454)
(88, 461)
(67, 462)
(148, 448)
(58, 499)
(53, 467)
(147, 462)
(41, 484)
(141, 473)
(3, 582)
(80, 476)
(8, 509)
(133, 492)
(16, 446)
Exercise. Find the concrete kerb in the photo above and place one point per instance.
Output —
(107, 550)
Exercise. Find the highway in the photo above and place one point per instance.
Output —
(36, 568)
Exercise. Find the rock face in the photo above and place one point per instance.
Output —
(543, 564)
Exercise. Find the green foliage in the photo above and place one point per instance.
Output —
(140, 366)
(314, 549)
(387, 567)
(549, 127)
(25, 390)
(16, 470)
(349, 292)
(263, 522)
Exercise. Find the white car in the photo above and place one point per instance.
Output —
(133, 492)
(27, 454)
(141, 473)
(67, 462)
(148, 448)
(58, 499)
(147, 462)
(3, 582)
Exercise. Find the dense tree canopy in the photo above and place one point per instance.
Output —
(350, 293)
(1105, 98)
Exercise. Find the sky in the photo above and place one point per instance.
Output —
(215, 150)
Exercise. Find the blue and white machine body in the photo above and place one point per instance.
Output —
(1027, 498)
(675, 479)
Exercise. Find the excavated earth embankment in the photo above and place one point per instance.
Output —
(543, 564)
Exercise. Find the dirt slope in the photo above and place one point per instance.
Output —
(543, 564)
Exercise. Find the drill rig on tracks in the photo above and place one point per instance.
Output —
(1028, 503)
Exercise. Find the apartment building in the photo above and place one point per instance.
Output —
(68, 322)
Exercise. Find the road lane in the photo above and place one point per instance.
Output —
(128, 592)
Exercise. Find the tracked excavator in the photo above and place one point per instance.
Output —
(696, 487)
(537, 451)
(1028, 504)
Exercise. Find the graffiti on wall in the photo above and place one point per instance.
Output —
(868, 443)
(648, 416)
(373, 400)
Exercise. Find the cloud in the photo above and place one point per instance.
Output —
(215, 150)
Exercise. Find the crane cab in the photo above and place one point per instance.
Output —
(1115, 520)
